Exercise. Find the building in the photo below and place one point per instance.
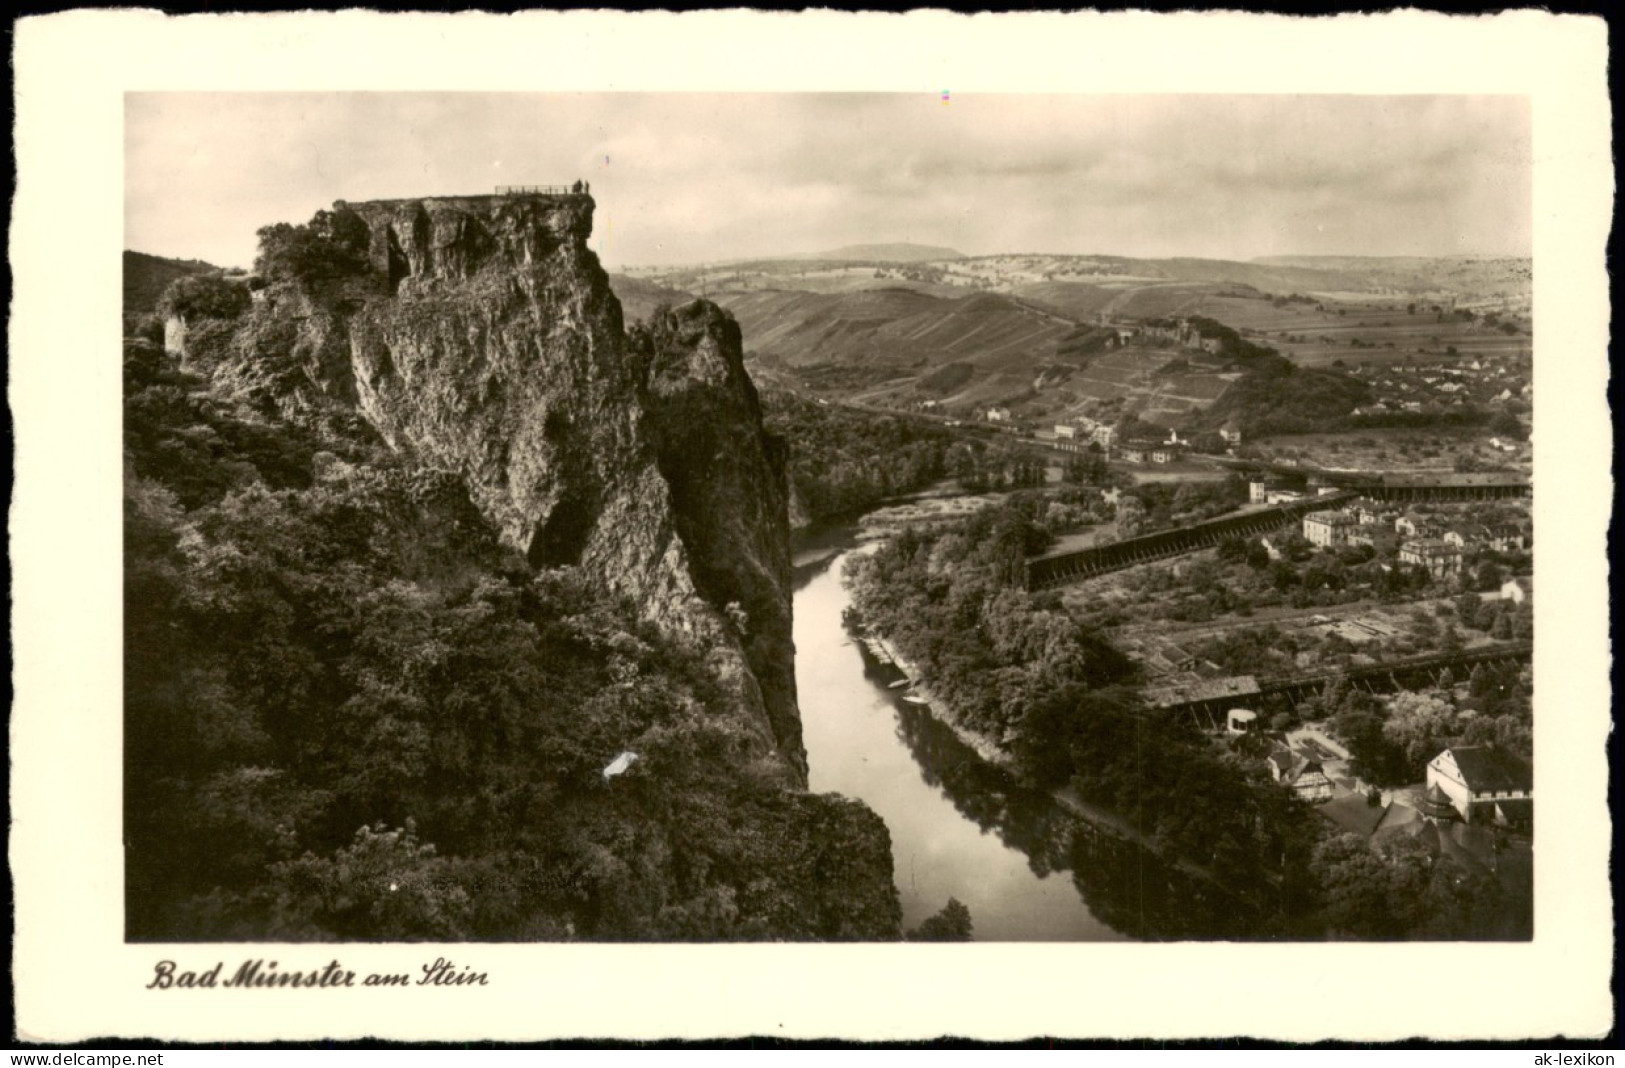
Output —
(1377, 538)
(1139, 451)
(1370, 513)
(1257, 490)
(1520, 590)
(1485, 784)
(1415, 526)
(998, 415)
(1328, 529)
(1230, 434)
(1435, 805)
(1166, 453)
(1282, 495)
(1241, 721)
(1438, 557)
(1302, 774)
(1502, 537)
(1063, 432)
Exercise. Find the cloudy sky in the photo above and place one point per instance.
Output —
(682, 178)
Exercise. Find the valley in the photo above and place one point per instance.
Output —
(1049, 338)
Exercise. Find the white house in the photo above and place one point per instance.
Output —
(1328, 529)
(1484, 783)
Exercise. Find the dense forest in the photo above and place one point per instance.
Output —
(843, 461)
(352, 714)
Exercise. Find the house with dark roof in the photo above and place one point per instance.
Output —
(1484, 783)
(1301, 773)
(1353, 814)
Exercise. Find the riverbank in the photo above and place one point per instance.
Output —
(1096, 817)
(941, 712)
(960, 827)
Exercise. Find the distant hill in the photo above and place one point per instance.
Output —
(849, 343)
(1037, 332)
(897, 252)
(146, 277)
(1469, 276)
(639, 296)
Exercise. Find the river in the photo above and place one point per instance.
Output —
(1028, 869)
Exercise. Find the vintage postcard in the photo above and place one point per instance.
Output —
(610, 526)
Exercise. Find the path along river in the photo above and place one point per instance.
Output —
(1027, 868)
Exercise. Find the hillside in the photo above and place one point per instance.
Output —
(146, 277)
(853, 343)
(1469, 276)
(639, 297)
(1464, 277)
(1029, 330)
(896, 252)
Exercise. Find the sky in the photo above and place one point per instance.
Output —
(693, 178)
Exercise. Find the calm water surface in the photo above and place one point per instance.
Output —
(949, 813)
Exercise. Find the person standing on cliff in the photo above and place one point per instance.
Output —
(577, 187)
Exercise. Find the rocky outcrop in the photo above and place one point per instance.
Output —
(728, 484)
(480, 335)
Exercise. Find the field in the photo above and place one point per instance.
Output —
(1396, 451)
(1134, 378)
(1379, 332)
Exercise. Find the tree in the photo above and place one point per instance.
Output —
(1506, 425)
(1130, 516)
(203, 296)
(1419, 724)
(331, 245)
(1375, 757)
(1354, 885)
(1258, 557)
(1469, 609)
(952, 924)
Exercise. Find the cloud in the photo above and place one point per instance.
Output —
(717, 176)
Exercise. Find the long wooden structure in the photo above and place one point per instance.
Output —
(1210, 701)
(1045, 572)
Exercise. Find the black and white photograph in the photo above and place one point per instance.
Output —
(561, 517)
(1019, 517)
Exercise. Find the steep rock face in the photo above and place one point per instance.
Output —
(728, 483)
(483, 338)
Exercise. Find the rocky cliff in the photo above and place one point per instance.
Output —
(480, 335)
